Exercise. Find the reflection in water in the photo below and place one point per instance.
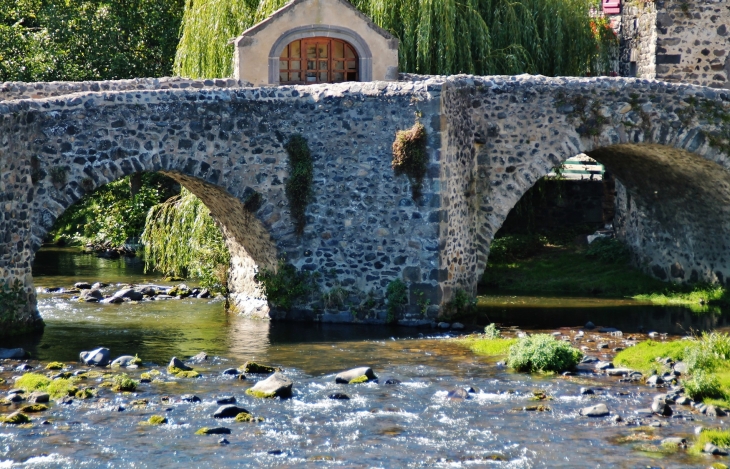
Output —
(540, 312)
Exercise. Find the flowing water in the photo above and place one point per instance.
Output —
(412, 424)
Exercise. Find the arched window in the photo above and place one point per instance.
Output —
(318, 60)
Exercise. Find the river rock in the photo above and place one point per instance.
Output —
(712, 449)
(585, 391)
(228, 411)
(189, 398)
(457, 326)
(660, 407)
(6, 353)
(338, 395)
(38, 397)
(99, 285)
(713, 411)
(276, 385)
(177, 363)
(223, 442)
(204, 293)
(231, 371)
(82, 285)
(392, 381)
(15, 397)
(589, 325)
(148, 291)
(98, 357)
(217, 431)
(598, 410)
(458, 393)
(225, 400)
(674, 441)
(684, 400)
(654, 380)
(443, 325)
(124, 360)
(345, 377)
(130, 293)
(200, 358)
(23, 367)
(681, 368)
(91, 294)
(113, 300)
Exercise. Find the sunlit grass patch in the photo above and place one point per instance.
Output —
(719, 438)
(642, 357)
(488, 347)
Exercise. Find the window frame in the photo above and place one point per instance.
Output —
(349, 74)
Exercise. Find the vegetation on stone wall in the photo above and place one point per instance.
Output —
(440, 37)
(46, 40)
(410, 156)
(396, 295)
(286, 285)
(12, 299)
(181, 239)
(299, 184)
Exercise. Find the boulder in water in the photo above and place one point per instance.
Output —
(130, 293)
(126, 360)
(178, 365)
(258, 368)
(38, 397)
(98, 357)
(598, 410)
(82, 285)
(458, 393)
(276, 385)
(355, 375)
(228, 411)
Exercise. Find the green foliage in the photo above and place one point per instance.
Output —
(285, 286)
(608, 251)
(461, 303)
(718, 437)
(335, 297)
(33, 382)
(492, 332)
(708, 352)
(123, 383)
(541, 352)
(111, 214)
(442, 37)
(487, 346)
(47, 40)
(510, 248)
(181, 239)
(396, 295)
(642, 357)
(155, 420)
(299, 184)
(61, 387)
(701, 297)
(410, 157)
(703, 385)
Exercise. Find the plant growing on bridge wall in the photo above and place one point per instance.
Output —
(584, 113)
(299, 185)
(286, 285)
(410, 156)
(396, 295)
(12, 300)
(461, 304)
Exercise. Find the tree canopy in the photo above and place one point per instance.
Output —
(437, 37)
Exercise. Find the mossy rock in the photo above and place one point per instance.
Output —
(214, 431)
(33, 382)
(155, 420)
(261, 394)
(154, 373)
(5, 402)
(85, 393)
(359, 379)
(15, 418)
(246, 417)
(145, 376)
(34, 408)
(55, 366)
(106, 384)
(2, 381)
(257, 368)
(139, 402)
(95, 374)
(187, 374)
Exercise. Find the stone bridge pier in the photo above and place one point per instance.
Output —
(489, 139)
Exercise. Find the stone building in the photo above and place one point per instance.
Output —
(677, 41)
(315, 41)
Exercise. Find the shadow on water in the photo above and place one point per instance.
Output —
(541, 312)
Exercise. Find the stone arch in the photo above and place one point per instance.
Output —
(365, 56)
(682, 235)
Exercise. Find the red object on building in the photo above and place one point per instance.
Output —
(611, 7)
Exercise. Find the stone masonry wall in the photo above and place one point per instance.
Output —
(678, 41)
(489, 140)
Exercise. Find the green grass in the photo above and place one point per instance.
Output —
(642, 356)
(720, 438)
(520, 264)
(33, 382)
(488, 347)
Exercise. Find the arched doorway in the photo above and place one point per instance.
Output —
(318, 60)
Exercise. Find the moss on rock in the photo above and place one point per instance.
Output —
(257, 368)
(15, 418)
(155, 420)
(261, 394)
(246, 417)
(55, 366)
(359, 379)
(33, 408)
(33, 382)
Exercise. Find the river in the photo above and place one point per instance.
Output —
(412, 424)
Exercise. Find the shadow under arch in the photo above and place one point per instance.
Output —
(672, 209)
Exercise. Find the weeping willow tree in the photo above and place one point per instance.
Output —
(182, 240)
(438, 37)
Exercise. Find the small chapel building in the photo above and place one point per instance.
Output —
(315, 41)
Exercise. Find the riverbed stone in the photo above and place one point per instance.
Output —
(660, 407)
(339, 395)
(714, 450)
(714, 411)
(214, 431)
(82, 285)
(23, 367)
(276, 385)
(125, 360)
(225, 400)
(38, 397)
(9, 353)
(230, 372)
(354, 374)
(458, 393)
(674, 441)
(654, 380)
(598, 410)
(177, 363)
(228, 411)
(97, 357)
(130, 293)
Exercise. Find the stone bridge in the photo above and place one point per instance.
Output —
(489, 140)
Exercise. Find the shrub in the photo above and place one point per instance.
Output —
(284, 286)
(708, 351)
(461, 303)
(703, 385)
(541, 352)
(491, 332)
(410, 156)
(608, 251)
(397, 295)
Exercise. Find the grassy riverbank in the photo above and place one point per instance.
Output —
(540, 265)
